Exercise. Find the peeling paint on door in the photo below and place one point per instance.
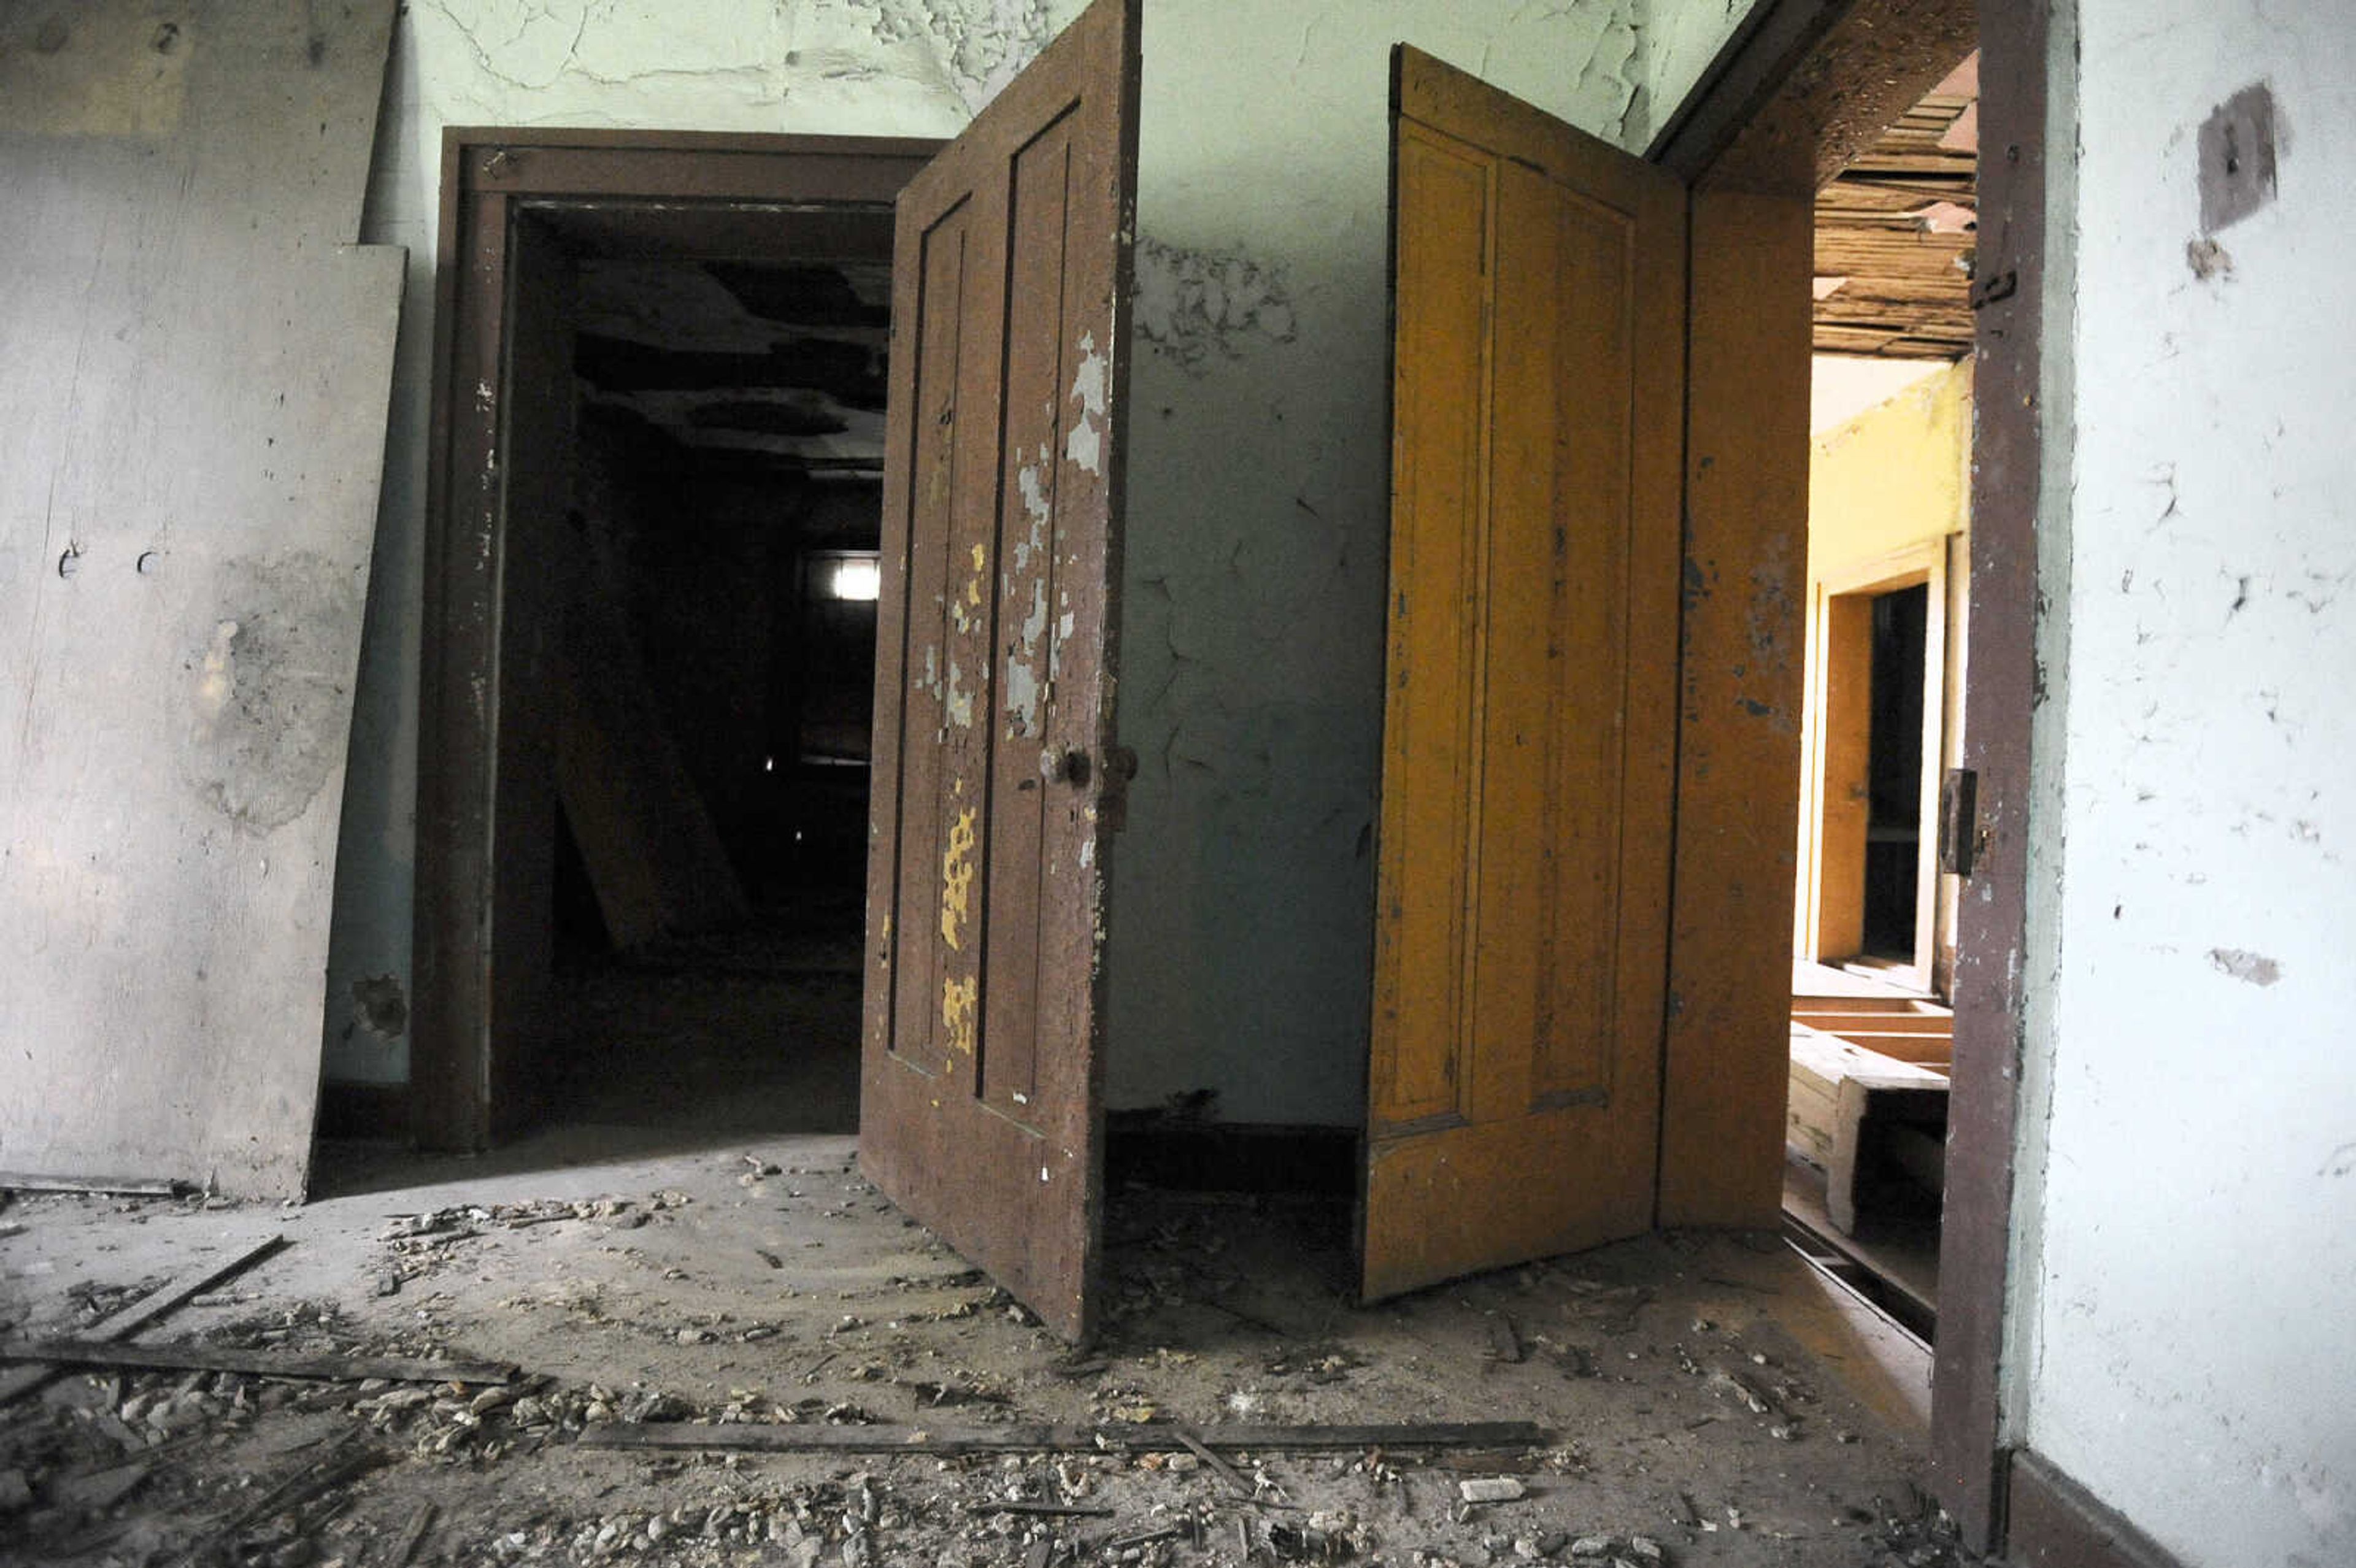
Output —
(1024, 692)
(1091, 387)
(957, 879)
(959, 1001)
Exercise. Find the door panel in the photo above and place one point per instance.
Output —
(997, 785)
(1522, 895)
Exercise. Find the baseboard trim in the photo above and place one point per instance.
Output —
(1154, 1149)
(352, 1110)
(2051, 1521)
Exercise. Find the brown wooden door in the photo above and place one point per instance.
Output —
(997, 786)
(1531, 686)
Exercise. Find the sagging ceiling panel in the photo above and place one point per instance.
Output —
(194, 364)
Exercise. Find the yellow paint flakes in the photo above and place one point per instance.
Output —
(957, 878)
(961, 1001)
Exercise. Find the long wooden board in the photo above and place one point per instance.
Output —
(195, 367)
(1145, 1438)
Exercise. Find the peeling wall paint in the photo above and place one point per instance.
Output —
(2185, 1247)
(1256, 526)
(1193, 303)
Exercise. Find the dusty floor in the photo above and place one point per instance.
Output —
(1702, 1396)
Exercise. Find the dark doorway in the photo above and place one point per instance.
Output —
(651, 630)
(1893, 828)
(725, 501)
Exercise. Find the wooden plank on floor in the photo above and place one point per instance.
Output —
(85, 1352)
(931, 1440)
(122, 1325)
(1886, 1020)
(1833, 1058)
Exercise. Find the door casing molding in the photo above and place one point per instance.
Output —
(1802, 88)
(493, 178)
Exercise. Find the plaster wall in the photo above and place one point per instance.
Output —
(1242, 929)
(2187, 1241)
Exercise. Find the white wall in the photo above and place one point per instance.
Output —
(2188, 1242)
(1241, 933)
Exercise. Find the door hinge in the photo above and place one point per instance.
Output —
(1959, 822)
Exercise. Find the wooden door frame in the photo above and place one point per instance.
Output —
(1922, 564)
(1800, 89)
(491, 178)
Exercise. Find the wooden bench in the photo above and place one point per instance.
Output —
(1868, 1084)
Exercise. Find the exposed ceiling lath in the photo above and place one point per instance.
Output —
(782, 362)
(1895, 235)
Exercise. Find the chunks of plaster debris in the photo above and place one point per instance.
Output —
(1491, 1489)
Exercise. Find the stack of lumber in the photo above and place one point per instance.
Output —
(1869, 1090)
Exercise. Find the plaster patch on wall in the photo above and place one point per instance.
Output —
(2253, 968)
(1673, 46)
(269, 703)
(380, 1005)
(2208, 259)
(1190, 305)
(979, 48)
(1615, 72)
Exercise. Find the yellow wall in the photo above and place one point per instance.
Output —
(1893, 477)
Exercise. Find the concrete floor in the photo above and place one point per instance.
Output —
(1710, 1395)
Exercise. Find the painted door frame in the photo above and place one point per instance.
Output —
(1838, 722)
(492, 179)
(1797, 92)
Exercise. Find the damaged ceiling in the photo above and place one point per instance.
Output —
(782, 361)
(1895, 234)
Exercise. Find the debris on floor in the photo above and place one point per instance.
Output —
(660, 1362)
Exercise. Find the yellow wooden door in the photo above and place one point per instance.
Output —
(1537, 406)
